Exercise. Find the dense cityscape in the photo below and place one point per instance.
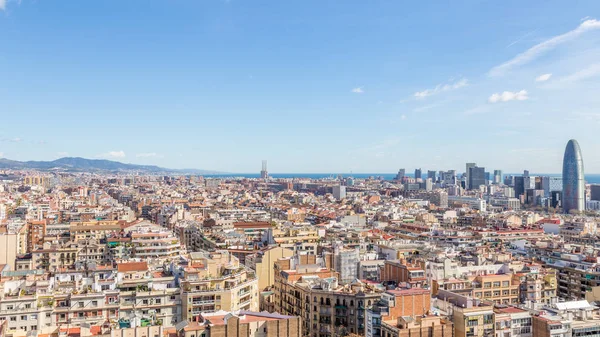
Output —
(440, 253)
(315, 168)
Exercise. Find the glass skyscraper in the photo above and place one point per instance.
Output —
(573, 197)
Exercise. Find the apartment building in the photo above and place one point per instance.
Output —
(499, 289)
(97, 230)
(298, 239)
(155, 244)
(54, 256)
(474, 320)
(395, 305)
(303, 288)
(539, 286)
(217, 281)
(573, 318)
(147, 294)
(244, 323)
(576, 273)
(418, 326)
(401, 271)
(263, 263)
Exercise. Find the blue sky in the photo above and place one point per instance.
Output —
(311, 86)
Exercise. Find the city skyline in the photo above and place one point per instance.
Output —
(317, 87)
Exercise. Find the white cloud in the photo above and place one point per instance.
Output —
(584, 74)
(509, 96)
(543, 78)
(441, 88)
(148, 155)
(62, 154)
(1, 154)
(112, 154)
(540, 48)
(358, 90)
(2, 5)
(403, 117)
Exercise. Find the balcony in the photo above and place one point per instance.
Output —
(203, 302)
(245, 303)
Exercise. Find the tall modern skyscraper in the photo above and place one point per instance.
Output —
(497, 177)
(476, 177)
(468, 166)
(401, 174)
(573, 196)
(264, 174)
(418, 173)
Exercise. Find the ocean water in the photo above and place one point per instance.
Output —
(589, 178)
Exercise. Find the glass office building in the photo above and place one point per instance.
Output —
(573, 197)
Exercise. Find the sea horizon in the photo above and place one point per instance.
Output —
(591, 178)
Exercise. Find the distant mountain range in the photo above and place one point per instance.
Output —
(76, 164)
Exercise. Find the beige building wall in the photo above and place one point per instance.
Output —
(265, 270)
(9, 249)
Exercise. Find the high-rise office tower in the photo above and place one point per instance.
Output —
(418, 173)
(476, 177)
(264, 174)
(448, 178)
(468, 166)
(519, 184)
(401, 174)
(551, 184)
(528, 181)
(595, 192)
(432, 175)
(573, 196)
(497, 177)
(428, 184)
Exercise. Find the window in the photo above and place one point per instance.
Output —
(27, 306)
(80, 304)
(144, 301)
(13, 318)
(24, 317)
(33, 327)
(95, 303)
(9, 307)
(157, 301)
